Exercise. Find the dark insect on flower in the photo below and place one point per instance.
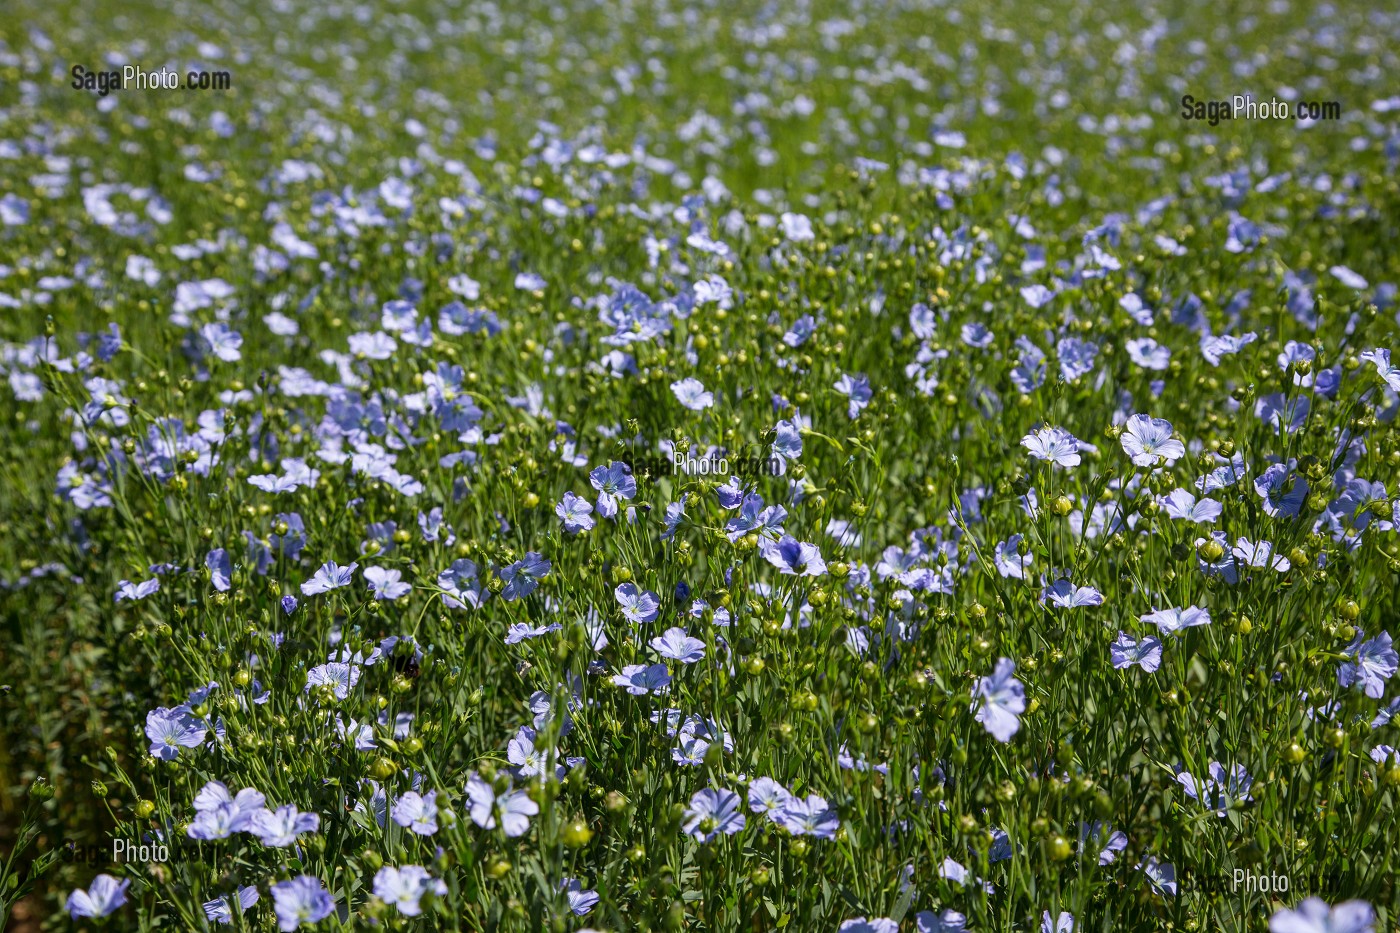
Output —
(407, 664)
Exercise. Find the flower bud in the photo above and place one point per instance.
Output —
(577, 834)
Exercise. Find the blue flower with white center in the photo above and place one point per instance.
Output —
(510, 809)
(1260, 555)
(281, 827)
(713, 812)
(330, 576)
(1176, 619)
(1008, 559)
(220, 569)
(755, 517)
(1125, 652)
(462, 589)
(812, 816)
(580, 901)
(385, 584)
(1314, 915)
(793, 557)
(787, 442)
(977, 336)
(1065, 595)
(340, 676)
(857, 390)
(222, 341)
(642, 679)
(418, 812)
(523, 576)
(675, 645)
(797, 227)
(690, 392)
(768, 797)
(1380, 359)
(868, 925)
(1149, 354)
(575, 512)
(519, 631)
(638, 606)
(128, 590)
(171, 729)
(1000, 700)
(1180, 504)
(675, 514)
(1148, 441)
(104, 896)
(1161, 876)
(1218, 791)
(220, 909)
(1077, 357)
(613, 482)
(303, 899)
(1056, 445)
(529, 760)
(1370, 664)
(405, 887)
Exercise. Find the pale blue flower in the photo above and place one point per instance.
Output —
(417, 812)
(385, 583)
(405, 887)
(523, 576)
(809, 817)
(1176, 619)
(638, 606)
(1148, 441)
(341, 676)
(1180, 504)
(712, 812)
(641, 679)
(1314, 915)
(303, 899)
(220, 909)
(104, 896)
(580, 901)
(281, 827)
(1370, 665)
(330, 576)
(171, 729)
(1125, 652)
(220, 569)
(674, 644)
(1056, 445)
(999, 700)
(692, 395)
(574, 511)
